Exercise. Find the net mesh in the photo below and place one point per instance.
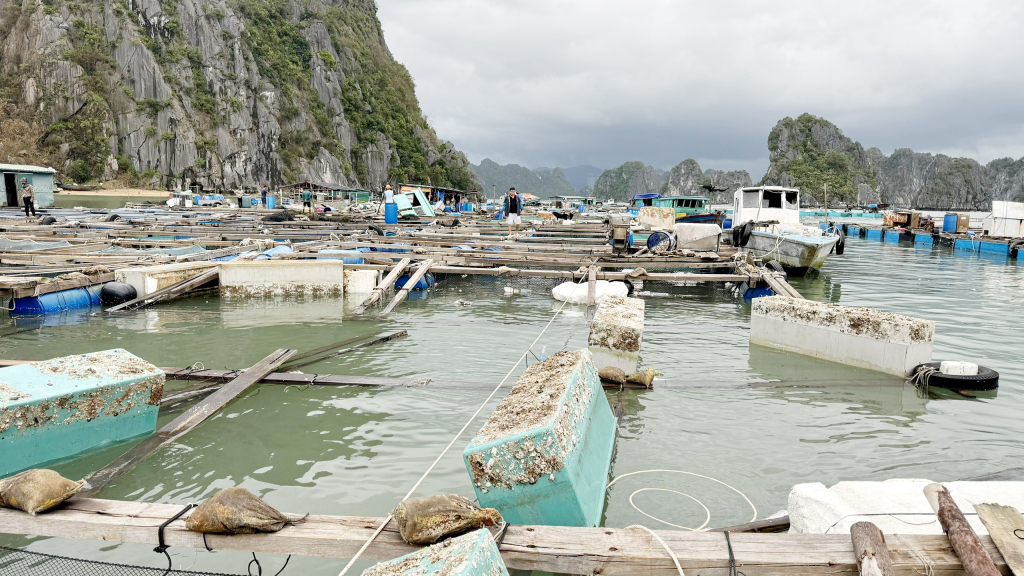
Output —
(25, 563)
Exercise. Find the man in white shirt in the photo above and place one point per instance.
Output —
(389, 195)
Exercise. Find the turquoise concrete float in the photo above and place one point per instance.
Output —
(473, 554)
(61, 407)
(543, 455)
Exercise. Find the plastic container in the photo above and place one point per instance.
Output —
(55, 302)
(510, 291)
(661, 237)
(271, 202)
(346, 256)
(246, 201)
(278, 250)
(727, 224)
(425, 282)
(391, 213)
(949, 223)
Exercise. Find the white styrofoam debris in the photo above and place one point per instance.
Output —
(697, 236)
(577, 293)
(954, 368)
(896, 506)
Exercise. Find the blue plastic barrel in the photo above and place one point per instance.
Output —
(346, 256)
(425, 282)
(58, 301)
(246, 201)
(391, 213)
(727, 224)
(949, 223)
(271, 202)
(660, 237)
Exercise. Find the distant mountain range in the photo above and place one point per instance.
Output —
(806, 152)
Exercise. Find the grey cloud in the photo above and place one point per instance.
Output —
(601, 82)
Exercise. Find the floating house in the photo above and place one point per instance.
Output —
(40, 178)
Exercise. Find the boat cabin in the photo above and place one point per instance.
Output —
(639, 201)
(685, 205)
(766, 203)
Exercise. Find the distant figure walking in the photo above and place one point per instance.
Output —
(513, 210)
(389, 195)
(307, 201)
(263, 196)
(28, 197)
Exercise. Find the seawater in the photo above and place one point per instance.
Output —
(757, 419)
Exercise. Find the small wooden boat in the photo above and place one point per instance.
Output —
(690, 209)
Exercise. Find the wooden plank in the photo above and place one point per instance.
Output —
(1003, 524)
(332, 348)
(962, 538)
(212, 254)
(605, 551)
(870, 551)
(384, 285)
(592, 287)
(58, 285)
(780, 524)
(387, 338)
(413, 280)
(172, 291)
(186, 422)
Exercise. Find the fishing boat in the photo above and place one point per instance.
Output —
(687, 208)
(766, 223)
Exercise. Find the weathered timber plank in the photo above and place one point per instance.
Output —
(413, 280)
(186, 422)
(870, 550)
(1003, 524)
(381, 288)
(962, 538)
(607, 551)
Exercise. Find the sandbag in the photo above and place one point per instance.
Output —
(426, 520)
(612, 374)
(645, 378)
(577, 293)
(237, 511)
(37, 490)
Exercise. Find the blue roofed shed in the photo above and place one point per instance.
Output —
(40, 178)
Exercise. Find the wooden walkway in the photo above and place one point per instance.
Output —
(594, 551)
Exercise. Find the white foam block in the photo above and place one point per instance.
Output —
(282, 277)
(697, 236)
(862, 337)
(617, 332)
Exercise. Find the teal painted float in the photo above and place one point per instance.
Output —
(61, 407)
(547, 463)
(891, 236)
(873, 234)
(473, 554)
(923, 239)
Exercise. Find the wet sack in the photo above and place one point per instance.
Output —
(645, 378)
(426, 520)
(37, 490)
(237, 511)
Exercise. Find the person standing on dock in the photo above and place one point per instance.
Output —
(28, 197)
(263, 196)
(513, 210)
(389, 195)
(307, 201)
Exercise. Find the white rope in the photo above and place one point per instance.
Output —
(924, 559)
(455, 439)
(663, 544)
(734, 489)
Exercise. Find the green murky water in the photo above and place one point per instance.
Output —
(757, 419)
(65, 200)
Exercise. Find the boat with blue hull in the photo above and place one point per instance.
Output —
(766, 223)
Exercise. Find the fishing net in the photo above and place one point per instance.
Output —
(10, 245)
(25, 563)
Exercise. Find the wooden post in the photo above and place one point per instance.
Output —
(870, 551)
(592, 287)
(962, 538)
(413, 280)
(184, 423)
(1003, 523)
(383, 286)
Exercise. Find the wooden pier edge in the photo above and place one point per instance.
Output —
(605, 551)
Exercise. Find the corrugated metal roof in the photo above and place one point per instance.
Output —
(26, 168)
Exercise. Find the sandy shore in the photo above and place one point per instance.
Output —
(130, 192)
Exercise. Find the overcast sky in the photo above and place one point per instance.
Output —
(562, 83)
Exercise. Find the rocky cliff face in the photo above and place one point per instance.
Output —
(687, 179)
(624, 182)
(809, 152)
(226, 93)
(542, 182)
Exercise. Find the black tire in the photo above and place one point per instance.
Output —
(841, 245)
(375, 229)
(117, 293)
(47, 220)
(777, 266)
(112, 217)
(745, 231)
(629, 286)
(986, 379)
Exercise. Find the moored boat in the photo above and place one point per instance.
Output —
(690, 209)
(766, 223)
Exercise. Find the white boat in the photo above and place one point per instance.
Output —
(766, 223)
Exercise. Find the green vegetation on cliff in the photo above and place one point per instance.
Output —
(798, 154)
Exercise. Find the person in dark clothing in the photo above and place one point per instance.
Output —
(513, 210)
(28, 197)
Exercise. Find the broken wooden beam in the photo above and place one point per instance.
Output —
(382, 340)
(1004, 523)
(384, 285)
(186, 422)
(172, 291)
(962, 538)
(567, 550)
(870, 550)
(409, 285)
